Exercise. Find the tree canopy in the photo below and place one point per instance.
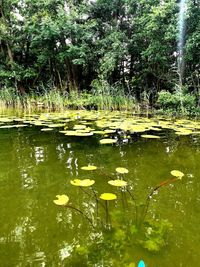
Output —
(78, 45)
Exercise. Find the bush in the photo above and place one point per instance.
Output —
(177, 101)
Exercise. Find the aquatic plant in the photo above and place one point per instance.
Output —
(107, 141)
(121, 170)
(118, 183)
(84, 182)
(89, 168)
(107, 197)
(63, 200)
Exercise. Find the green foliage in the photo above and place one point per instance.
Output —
(177, 101)
(155, 233)
(119, 50)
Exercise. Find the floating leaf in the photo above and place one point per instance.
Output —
(70, 133)
(46, 129)
(99, 132)
(79, 127)
(183, 132)
(108, 141)
(150, 136)
(109, 131)
(177, 174)
(84, 183)
(83, 134)
(121, 170)
(108, 196)
(89, 168)
(117, 183)
(62, 200)
(56, 125)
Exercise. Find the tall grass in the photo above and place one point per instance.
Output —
(55, 99)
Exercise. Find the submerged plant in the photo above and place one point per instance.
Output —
(127, 224)
(63, 201)
(107, 197)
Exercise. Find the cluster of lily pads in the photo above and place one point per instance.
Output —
(111, 126)
(63, 200)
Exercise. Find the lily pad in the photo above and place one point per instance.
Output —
(150, 136)
(177, 173)
(107, 141)
(84, 183)
(61, 200)
(119, 183)
(46, 129)
(121, 170)
(108, 196)
(89, 168)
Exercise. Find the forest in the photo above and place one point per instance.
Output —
(99, 133)
(94, 49)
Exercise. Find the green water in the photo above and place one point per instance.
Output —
(36, 166)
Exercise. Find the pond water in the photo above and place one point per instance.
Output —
(36, 165)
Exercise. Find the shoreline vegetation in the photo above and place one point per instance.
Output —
(173, 104)
(115, 55)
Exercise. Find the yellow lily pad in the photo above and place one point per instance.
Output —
(46, 129)
(61, 200)
(107, 141)
(84, 183)
(56, 125)
(89, 168)
(83, 134)
(182, 132)
(108, 196)
(117, 182)
(79, 127)
(99, 132)
(150, 136)
(109, 131)
(177, 173)
(121, 170)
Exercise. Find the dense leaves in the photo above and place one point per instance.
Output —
(100, 45)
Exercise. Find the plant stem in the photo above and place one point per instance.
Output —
(84, 215)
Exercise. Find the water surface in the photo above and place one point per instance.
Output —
(36, 166)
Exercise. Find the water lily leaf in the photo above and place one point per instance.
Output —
(177, 173)
(46, 129)
(5, 120)
(150, 136)
(108, 196)
(61, 200)
(121, 170)
(183, 132)
(79, 127)
(56, 125)
(108, 141)
(117, 182)
(84, 183)
(109, 131)
(83, 134)
(89, 168)
(70, 133)
(99, 132)
(6, 126)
